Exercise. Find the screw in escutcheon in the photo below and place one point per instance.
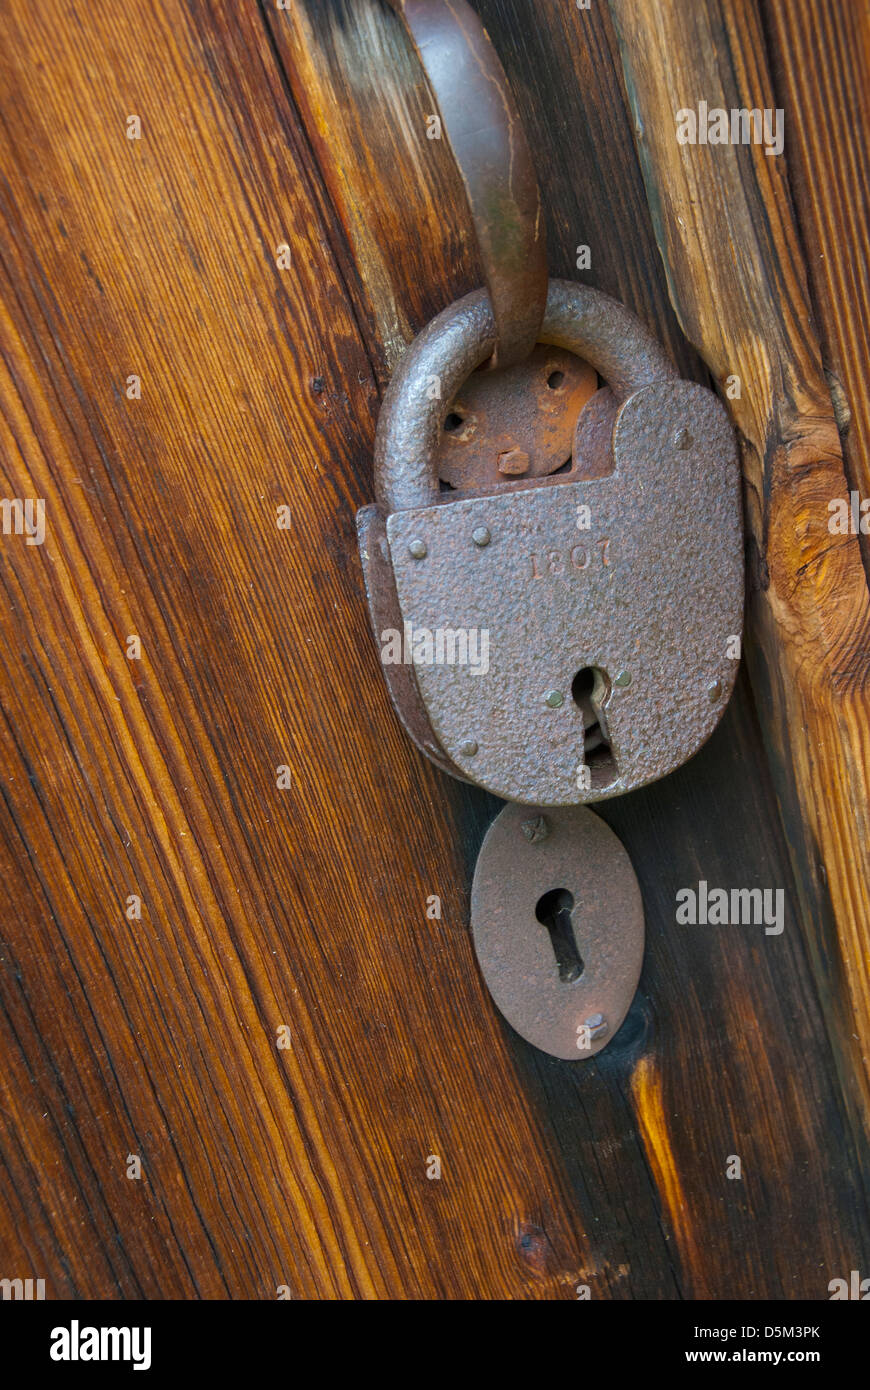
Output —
(597, 1025)
(480, 535)
(418, 549)
(535, 829)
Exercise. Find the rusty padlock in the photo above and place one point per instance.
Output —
(608, 599)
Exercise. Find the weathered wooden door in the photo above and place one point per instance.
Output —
(242, 1057)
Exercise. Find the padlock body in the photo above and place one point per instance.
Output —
(636, 577)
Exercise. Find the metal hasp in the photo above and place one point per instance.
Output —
(486, 136)
(609, 598)
(557, 920)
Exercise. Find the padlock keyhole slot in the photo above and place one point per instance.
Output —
(553, 910)
(590, 690)
(452, 422)
(584, 683)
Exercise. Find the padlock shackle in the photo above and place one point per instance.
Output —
(441, 358)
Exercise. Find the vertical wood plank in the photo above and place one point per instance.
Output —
(820, 63)
(727, 235)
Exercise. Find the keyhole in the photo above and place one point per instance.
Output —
(553, 911)
(591, 689)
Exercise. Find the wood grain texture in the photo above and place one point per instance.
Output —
(731, 246)
(828, 154)
(306, 907)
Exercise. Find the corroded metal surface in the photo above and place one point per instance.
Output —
(489, 144)
(650, 594)
(515, 423)
(579, 319)
(610, 598)
(591, 455)
(567, 998)
(385, 617)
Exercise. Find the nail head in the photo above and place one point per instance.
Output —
(535, 829)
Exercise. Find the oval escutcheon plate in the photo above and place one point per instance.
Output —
(557, 919)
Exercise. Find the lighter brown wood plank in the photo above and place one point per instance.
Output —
(157, 777)
(727, 234)
(828, 152)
